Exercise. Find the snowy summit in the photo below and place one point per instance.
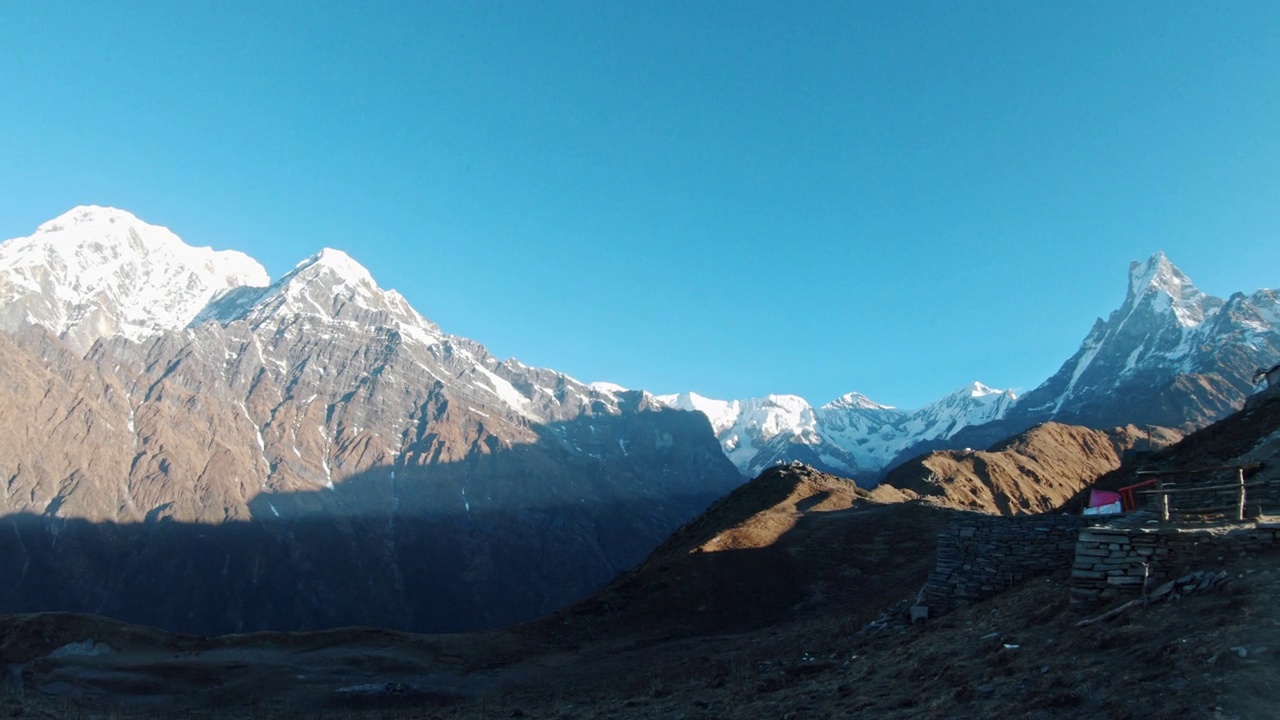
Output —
(95, 272)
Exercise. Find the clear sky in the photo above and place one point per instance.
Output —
(736, 198)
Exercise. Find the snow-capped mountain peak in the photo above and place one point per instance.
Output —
(856, 400)
(87, 215)
(329, 286)
(1170, 288)
(723, 414)
(1166, 328)
(335, 263)
(974, 395)
(973, 404)
(744, 426)
(94, 272)
(976, 389)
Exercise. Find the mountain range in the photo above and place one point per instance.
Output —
(177, 426)
(313, 452)
(1169, 356)
(852, 435)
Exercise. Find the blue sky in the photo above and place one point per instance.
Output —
(735, 198)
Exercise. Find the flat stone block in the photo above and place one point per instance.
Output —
(1124, 581)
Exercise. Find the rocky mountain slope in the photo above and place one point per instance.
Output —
(1249, 437)
(247, 449)
(1035, 471)
(790, 542)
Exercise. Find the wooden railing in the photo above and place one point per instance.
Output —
(1235, 509)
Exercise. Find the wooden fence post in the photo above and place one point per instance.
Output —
(1240, 513)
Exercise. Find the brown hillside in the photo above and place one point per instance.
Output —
(1033, 472)
(793, 541)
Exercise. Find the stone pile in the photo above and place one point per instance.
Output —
(1194, 582)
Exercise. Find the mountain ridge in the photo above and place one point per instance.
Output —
(1184, 350)
(323, 397)
(852, 435)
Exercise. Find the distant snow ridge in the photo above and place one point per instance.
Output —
(850, 435)
(745, 426)
(95, 272)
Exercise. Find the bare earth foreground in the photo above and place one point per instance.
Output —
(772, 604)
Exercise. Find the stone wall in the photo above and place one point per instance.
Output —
(982, 555)
(1114, 561)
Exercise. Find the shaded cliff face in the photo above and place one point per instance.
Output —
(338, 445)
(1034, 472)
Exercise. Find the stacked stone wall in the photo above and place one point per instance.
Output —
(982, 555)
(1115, 561)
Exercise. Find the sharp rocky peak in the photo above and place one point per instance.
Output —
(1156, 273)
(330, 285)
(1159, 278)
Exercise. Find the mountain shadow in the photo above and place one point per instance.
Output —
(498, 537)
